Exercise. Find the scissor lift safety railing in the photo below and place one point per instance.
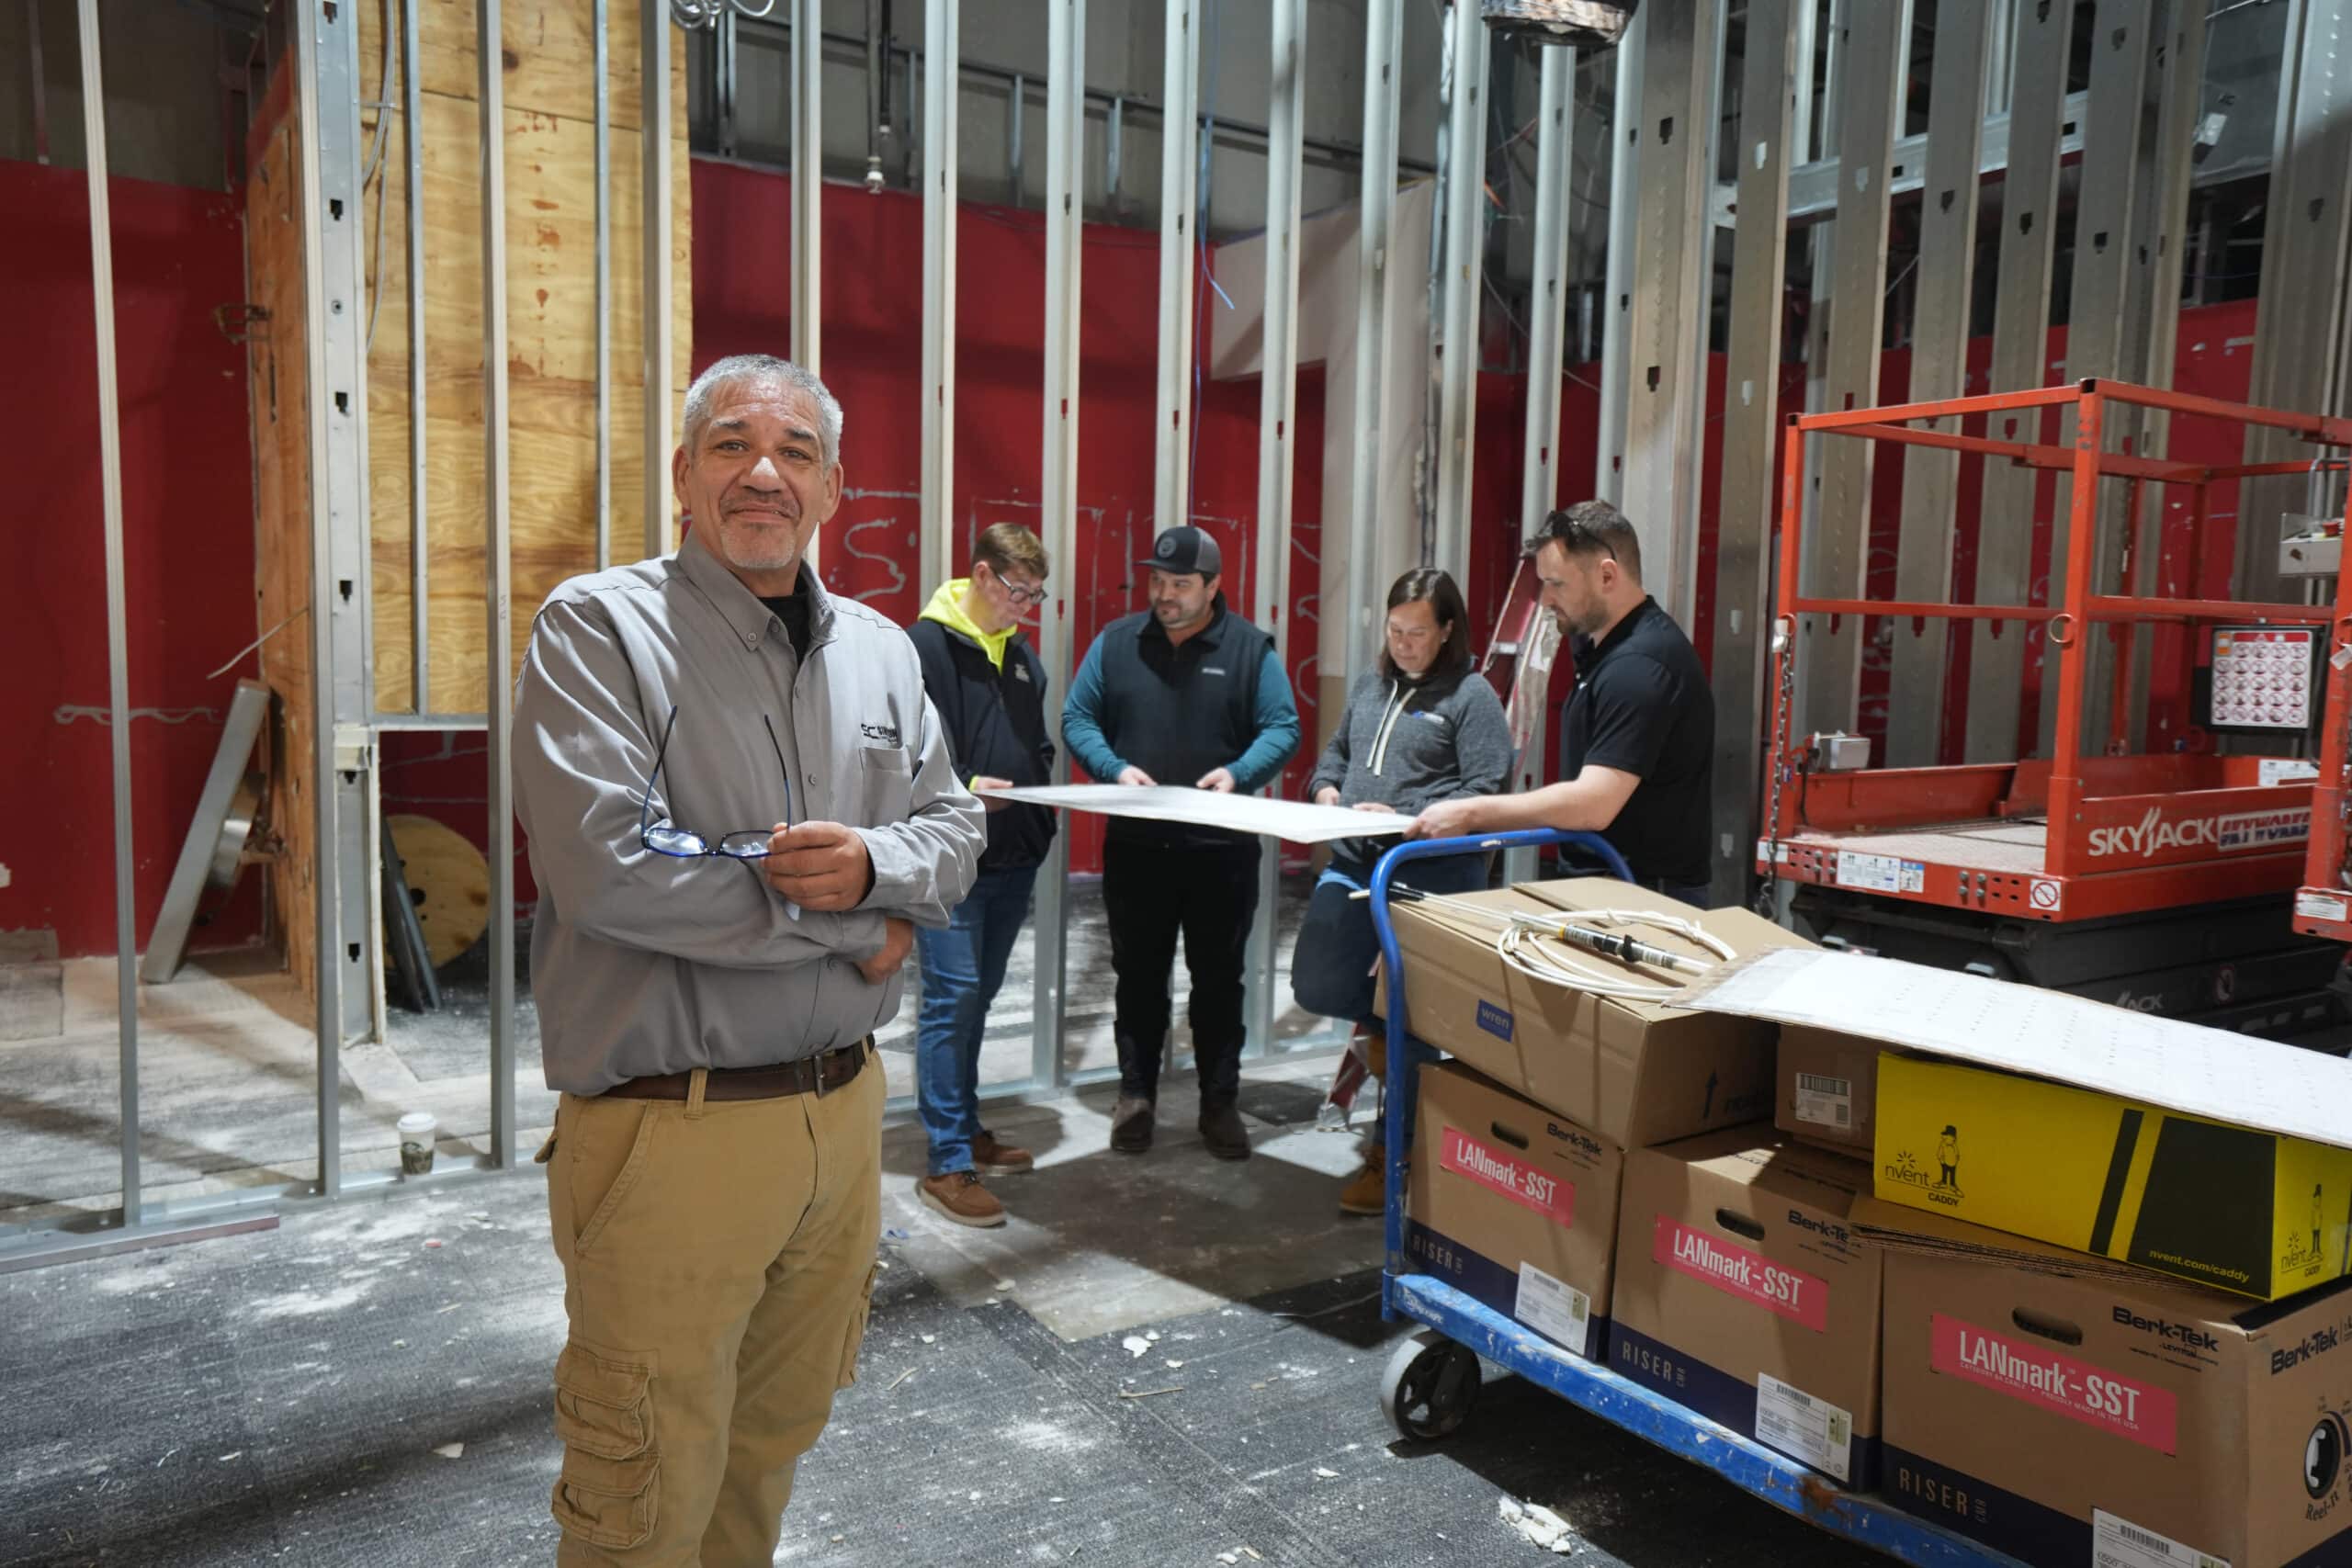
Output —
(2078, 836)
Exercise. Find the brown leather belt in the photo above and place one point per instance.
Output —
(818, 1075)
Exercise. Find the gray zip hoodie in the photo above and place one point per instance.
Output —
(1407, 743)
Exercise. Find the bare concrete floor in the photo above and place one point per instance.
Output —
(1163, 1359)
(228, 1070)
(1168, 1358)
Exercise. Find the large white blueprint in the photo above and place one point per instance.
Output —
(1996, 1023)
(1295, 820)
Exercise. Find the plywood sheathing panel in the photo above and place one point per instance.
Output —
(277, 382)
(550, 300)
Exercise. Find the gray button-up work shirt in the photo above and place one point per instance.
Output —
(643, 963)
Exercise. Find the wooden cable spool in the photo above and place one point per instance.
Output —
(449, 879)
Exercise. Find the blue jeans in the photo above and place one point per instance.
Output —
(962, 968)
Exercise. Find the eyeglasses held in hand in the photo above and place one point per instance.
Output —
(665, 837)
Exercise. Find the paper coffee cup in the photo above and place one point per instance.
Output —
(416, 1131)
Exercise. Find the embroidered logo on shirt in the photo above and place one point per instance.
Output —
(1021, 673)
(881, 734)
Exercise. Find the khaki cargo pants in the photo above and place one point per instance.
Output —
(718, 1264)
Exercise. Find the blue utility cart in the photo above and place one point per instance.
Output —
(1432, 1381)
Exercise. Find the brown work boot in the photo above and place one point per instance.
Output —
(960, 1196)
(1367, 1191)
(1000, 1159)
(1131, 1125)
(1222, 1130)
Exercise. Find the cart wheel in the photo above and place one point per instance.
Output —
(1428, 1386)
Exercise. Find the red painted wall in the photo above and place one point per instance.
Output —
(872, 356)
(187, 478)
(188, 543)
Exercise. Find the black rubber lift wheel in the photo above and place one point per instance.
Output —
(1428, 1386)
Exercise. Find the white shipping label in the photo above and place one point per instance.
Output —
(1805, 1427)
(2117, 1543)
(1881, 874)
(1553, 1308)
(2321, 906)
(1826, 1101)
(2284, 770)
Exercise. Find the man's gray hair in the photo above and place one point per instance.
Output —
(737, 369)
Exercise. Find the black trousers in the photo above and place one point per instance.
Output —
(1152, 894)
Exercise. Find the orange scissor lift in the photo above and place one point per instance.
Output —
(2166, 881)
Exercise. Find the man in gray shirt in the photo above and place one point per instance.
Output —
(738, 799)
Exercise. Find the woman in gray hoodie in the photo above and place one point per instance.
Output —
(1422, 727)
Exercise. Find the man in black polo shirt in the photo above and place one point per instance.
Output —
(1637, 737)
(1186, 692)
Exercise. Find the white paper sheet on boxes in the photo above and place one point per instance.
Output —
(2180, 1066)
(1296, 820)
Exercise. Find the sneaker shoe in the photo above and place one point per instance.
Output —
(1222, 1130)
(1131, 1125)
(1367, 1191)
(1000, 1159)
(958, 1196)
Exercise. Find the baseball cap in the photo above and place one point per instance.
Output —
(1185, 549)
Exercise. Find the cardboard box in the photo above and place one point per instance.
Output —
(1742, 1293)
(1514, 1205)
(2072, 1420)
(1637, 1073)
(2243, 1210)
(1825, 1087)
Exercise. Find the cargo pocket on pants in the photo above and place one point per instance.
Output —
(609, 1493)
(855, 1340)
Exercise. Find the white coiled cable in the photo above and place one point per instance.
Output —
(1540, 947)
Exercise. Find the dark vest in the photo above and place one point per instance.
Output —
(1179, 710)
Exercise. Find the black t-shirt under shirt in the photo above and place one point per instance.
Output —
(1642, 706)
(792, 609)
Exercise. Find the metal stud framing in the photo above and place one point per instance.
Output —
(2304, 271)
(942, 49)
(1057, 626)
(1179, 192)
(600, 21)
(1821, 247)
(1813, 188)
(1547, 324)
(2020, 355)
(1616, 322)
(808, 175)
(325, 73)
(2163, 226)
(1383, 21)
(1277, 415)
(419, 542)
(1939, 366)
(659, 333)
(1772, 89)
(326, 76)
(1837, 556)
(2108, 272)
(94, 132)
(498, 580)
(1667, 283)
(1547, 327)
(1463, 280)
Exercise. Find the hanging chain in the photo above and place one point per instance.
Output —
(1768, 895)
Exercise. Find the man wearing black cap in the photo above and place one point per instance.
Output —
(1187, 693)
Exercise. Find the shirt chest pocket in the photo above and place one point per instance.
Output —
(885, 786)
